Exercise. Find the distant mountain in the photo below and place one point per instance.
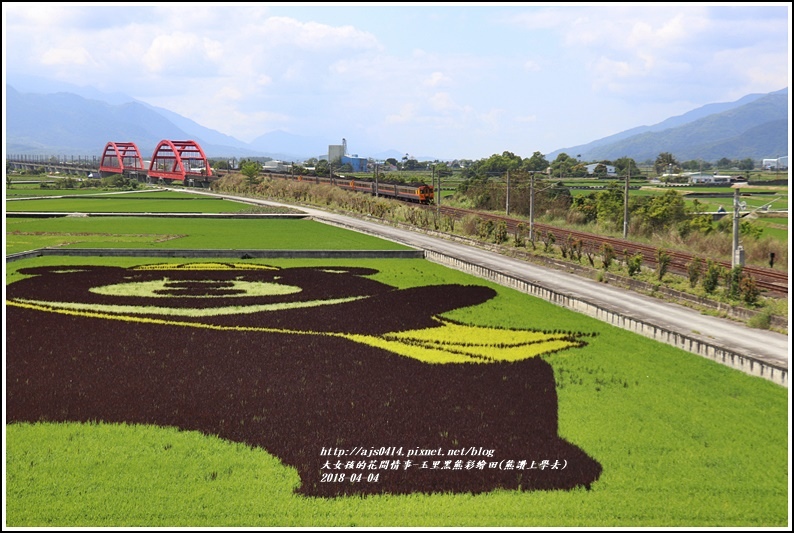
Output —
(80, 121)
(197, 131)
(68, 124)
(37, 85)
(709, 132)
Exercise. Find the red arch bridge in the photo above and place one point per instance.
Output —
(171, 161)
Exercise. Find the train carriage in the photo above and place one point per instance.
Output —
(414, 192)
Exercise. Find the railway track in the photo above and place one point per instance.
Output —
(771, 281)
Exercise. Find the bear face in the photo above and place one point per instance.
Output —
(361, 370)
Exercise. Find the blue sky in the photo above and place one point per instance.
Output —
(441, 80)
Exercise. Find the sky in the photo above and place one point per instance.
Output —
(438, 80)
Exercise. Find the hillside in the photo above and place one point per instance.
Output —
(65, 123)
(750, 127)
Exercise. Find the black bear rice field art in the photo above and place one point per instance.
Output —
(361, 387)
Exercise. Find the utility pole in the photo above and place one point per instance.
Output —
(433, 180)
(626, 205)
(737, 252)
(437, 199)
(507, 196)
(532, 207)
(376, 180)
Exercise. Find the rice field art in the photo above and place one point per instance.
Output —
(362, 387)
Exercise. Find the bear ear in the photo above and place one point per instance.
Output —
(354, 271)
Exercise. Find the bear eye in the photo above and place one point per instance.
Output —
(167, 288)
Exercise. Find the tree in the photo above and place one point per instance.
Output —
(442, 170)
(746, 164)
(609, 205)
(563, 165)
(712, 276)
(250, 169)
(626, 165)
(664, 162)
(536, 163)
(694, 270)
(660, 212)
(321, 168)
(663, 260)
(411, 164)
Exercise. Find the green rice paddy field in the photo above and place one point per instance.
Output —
(151, 202)
(683, 441)
(24, 234)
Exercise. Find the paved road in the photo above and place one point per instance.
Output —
(765, 345)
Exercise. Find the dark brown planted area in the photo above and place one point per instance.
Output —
(294, 395)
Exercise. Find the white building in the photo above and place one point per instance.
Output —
(704, 178)
(611, 170)
(276, 166)
(779, 163)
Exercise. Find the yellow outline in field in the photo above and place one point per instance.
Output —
(448, 343)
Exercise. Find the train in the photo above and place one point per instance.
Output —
(409, 192)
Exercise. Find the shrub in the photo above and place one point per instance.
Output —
(712, 276)
(548, 241)
(733, 279)
(519, 235)
(470, 224)
(748, 290)
(486, 229)
(634, 264)
(663, 259)
(576, 249)
(694, 269)
(763, 320)
(607, 255)
(500, 234)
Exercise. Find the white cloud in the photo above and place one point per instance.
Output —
(443, 103)
(406, 114)
(182, 53)
(280, 31)
(531, 66)
(66, 57)
(437, 78)
(526, 118)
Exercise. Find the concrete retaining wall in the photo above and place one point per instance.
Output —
(756, 366)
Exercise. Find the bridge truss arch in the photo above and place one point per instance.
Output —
(119, 157)
(180, 161)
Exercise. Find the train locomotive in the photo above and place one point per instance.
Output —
(410, 192)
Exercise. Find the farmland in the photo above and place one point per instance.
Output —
(670, 430)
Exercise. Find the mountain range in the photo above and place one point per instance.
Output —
(80, 121)
(755, 126)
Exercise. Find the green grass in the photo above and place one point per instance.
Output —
(774, 231)
(138, 232)
(683, 441)
(29, 190)
(123, 203)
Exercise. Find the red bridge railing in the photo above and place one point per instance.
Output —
(120, 156)
(179, 160)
